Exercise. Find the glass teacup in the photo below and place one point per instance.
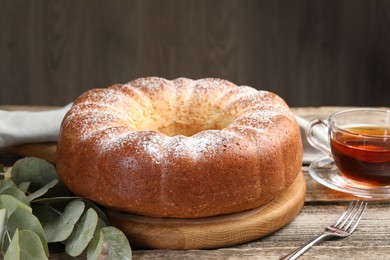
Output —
(358, 142)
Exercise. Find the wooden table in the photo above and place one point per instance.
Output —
(322, 206)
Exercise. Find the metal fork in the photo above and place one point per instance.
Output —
(343, 227)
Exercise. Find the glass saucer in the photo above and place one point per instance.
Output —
(325, 172)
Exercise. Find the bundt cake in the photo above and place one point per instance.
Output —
(182, 148)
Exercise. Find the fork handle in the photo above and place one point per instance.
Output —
(299, 251)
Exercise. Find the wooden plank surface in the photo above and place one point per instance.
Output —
(370, 240)
(322, 207)
(310, 52)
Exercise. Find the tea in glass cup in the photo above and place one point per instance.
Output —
(359, 144)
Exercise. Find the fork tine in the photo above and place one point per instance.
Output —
(350, 217)
(356, 213)
(347, 211)
(363, 207)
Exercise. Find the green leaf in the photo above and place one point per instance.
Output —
(48, 209)
(59, 229)
(82, 234)
(13, 250)
(109, 243)
(7, 174)
(3, 225)
(17, 194)
(37, 171)
(98, 210)
(23, 186)
(30, 246)
(60, 190)
(24, 220)
(55, 200)
(38, 193)
(95, 247)
(11, 204)
(6, 184)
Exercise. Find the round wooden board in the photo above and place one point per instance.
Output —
(45, 151)
(212, 232)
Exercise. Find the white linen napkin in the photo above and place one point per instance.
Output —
(19, 127)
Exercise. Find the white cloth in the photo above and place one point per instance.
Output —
(19, 127)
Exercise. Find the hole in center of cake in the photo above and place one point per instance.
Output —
(189, 124)
(184, 129)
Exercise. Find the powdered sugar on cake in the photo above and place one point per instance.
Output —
(104, 113)
(181, 148)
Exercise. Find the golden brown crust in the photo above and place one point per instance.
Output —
(180, 148)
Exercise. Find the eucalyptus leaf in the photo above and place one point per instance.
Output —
(13, 249)
(11, 204)
(60, 190)
(109, 243)
(37, 171)
(7, 173)
(95, 247)
(46, 209)
(82, 234)
(24, 220)
(5, 184)
(30, 246)
(38, 193)
(60, 228)
(23, 186)
(98, 210)
(55, 200)
(3, 225)
(17, 194)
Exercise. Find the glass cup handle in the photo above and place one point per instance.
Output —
(318, 138)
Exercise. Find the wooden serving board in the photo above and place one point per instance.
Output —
(212, 232)
(46, 151)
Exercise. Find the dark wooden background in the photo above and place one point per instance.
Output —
(310, 52)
